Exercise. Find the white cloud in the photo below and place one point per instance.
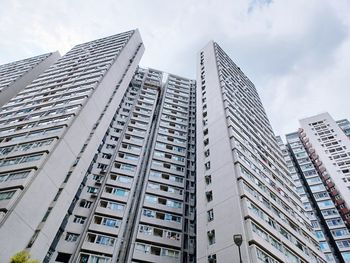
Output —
(296, 52)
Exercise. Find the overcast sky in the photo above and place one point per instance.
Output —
(297, 52)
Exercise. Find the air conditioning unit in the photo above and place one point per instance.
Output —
(98, 181)
(94, 195)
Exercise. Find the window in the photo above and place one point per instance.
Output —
(263, 257)
(79, 219)
(63, 257)
(144, 248)
(325, 203)
(170, 253)
(340, 232)
(319, 235)
(291, 257)
(147, 230)
(124, 179)
(92, 190)
(207, 165)
(13, 176)
(211, 237)
(125, 167)
(85, 204)
(209, 195)
(329, 257)
(260, 232)
(161, 216)
(110, 146)
(106, 221)
(212, 258)
(151, 199)
(105, 240)
(313, 180)
(343, 243)
(317, 188)
(334, 222)
(121, 192)
(173, 203)
(110, 222)
(71, 237)
(324, 246)
(210, 215)
(111, 205)
(329, 212)
(205, 132)
(346, 256)
(100, 239)
(171, 217)
(208, 179)
(321, 195)
(116, 191)
(7, 195)
(18, 160)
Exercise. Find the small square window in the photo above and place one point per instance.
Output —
(210, 214)
(209, 195)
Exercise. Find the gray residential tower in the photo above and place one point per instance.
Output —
(243, 186)
(50, 132)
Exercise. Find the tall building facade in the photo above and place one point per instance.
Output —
(243, 186)
(326, 221)
(50, 132)
(327, 147)
(137, 200)
(15, 76)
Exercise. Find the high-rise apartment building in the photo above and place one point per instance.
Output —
(327, 147)
(17, 75)
(50, 132)
(330, 229)
(243, 186)
(137, 200)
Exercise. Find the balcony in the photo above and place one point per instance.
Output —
(163, 207)
(161, 222)
(160, 239)
(164, 193)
